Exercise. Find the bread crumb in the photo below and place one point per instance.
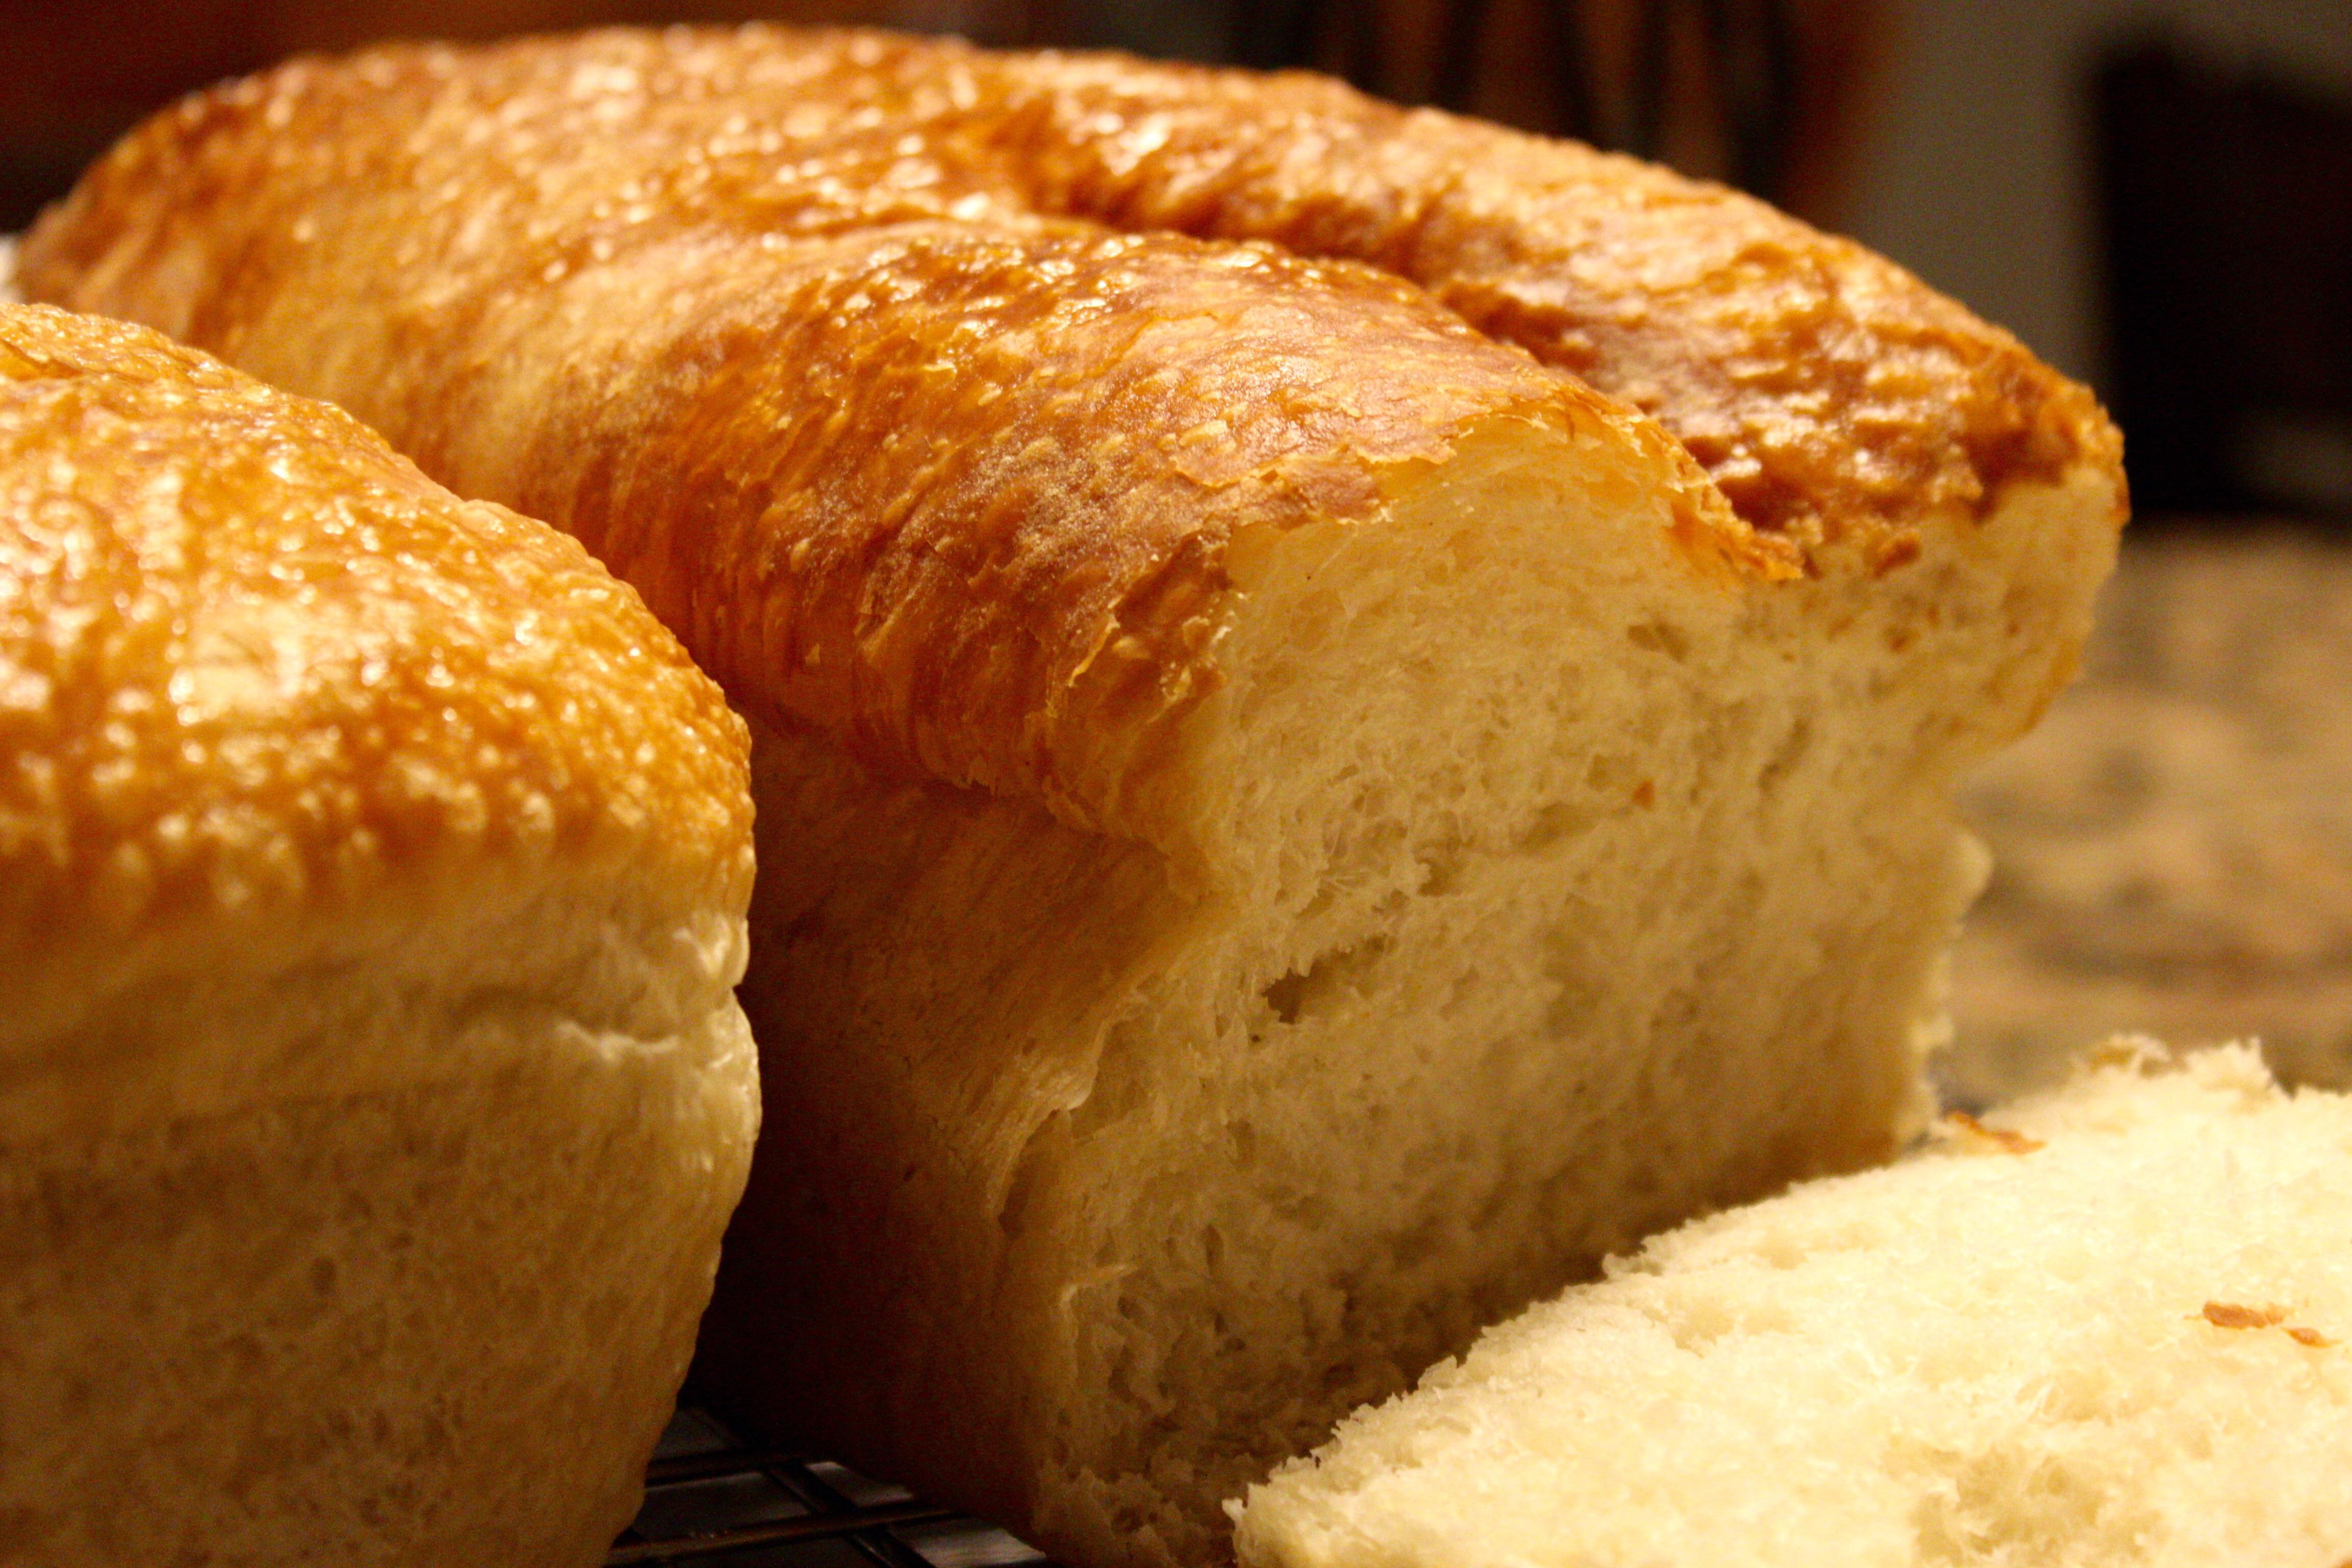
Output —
(2230, 1315)
(2311, 1337)
(1897, 551)
(2128, 1051)
(2010, 1142)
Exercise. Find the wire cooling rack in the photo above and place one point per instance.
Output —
(712, 1499)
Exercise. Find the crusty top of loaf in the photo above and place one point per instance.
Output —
(882, 367)
(1831, 396)
(1826, 391)
(1828, 394)
(257, 671)
(895, 454)
(1014, 526)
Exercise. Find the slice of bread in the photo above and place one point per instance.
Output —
(2105, 1331)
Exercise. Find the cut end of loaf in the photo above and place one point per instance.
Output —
(1510, 959)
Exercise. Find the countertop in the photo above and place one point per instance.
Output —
(2172, 848)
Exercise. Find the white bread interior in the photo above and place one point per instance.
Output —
(2107, 1333)
(1531, 882)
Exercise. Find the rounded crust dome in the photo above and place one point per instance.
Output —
(257, 671)
(1836, 402)
(928, 392)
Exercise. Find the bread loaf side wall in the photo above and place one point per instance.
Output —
(410, 1274)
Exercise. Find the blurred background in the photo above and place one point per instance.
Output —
(2155, 195)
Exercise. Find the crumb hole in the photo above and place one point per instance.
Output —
(1287, 995)
(1551, 824)
(1659, 638)
(1302, 991)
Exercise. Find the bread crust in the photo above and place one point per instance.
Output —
(1828, 395)
(1835, 402)
(372, 1092)
(266, 680)
(997, 558)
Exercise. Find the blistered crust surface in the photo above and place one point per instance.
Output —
(1000, 550)
(256, 669)
(898, 455)
(1831, 397)
(1827, 393)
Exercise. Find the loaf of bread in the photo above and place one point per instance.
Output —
(1351, 710)
(372, 870)
(2107, 1332)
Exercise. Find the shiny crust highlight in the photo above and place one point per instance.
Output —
(899, 456)
(1836, 402)
(257, 670)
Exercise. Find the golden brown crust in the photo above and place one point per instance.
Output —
(1826, 392)
(1829, 396)
(999, 556)
(955, 488)
(257, 670)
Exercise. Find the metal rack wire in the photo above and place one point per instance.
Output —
(712, 1499)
